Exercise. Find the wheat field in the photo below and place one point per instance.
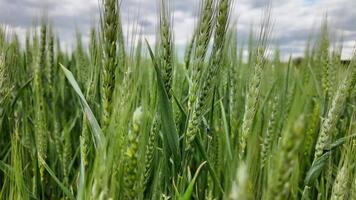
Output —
(117, 121)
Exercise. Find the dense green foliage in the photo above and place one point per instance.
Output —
(109, 122)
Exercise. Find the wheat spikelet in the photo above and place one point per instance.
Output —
(150, 150)
(324, 59)
(211, 72)
(67, 155)
(49, 67)
(40, 110)
(201, 45)
(333, 66)
(218, 50)
(166, 48)
(280, 186)
(311, 130)
(131, 176)
(329, 123)
(3, 78)
(251, 103)
(267, 141)
(339, 189)
(110, 30)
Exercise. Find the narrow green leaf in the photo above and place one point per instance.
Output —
(179, 106)
(210, 168)
(226, 130)
(53, 175)
(188, 193)
(339, 142)
(81, 185)
(170, 136)
(316, 168)
(96, 130)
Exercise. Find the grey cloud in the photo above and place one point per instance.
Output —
(258, 4)
(293, 24)
(31, 3)
(187, 6)
(145, 23)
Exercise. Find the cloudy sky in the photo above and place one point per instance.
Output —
(294, 20)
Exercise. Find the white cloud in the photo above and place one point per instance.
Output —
(294, 20)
